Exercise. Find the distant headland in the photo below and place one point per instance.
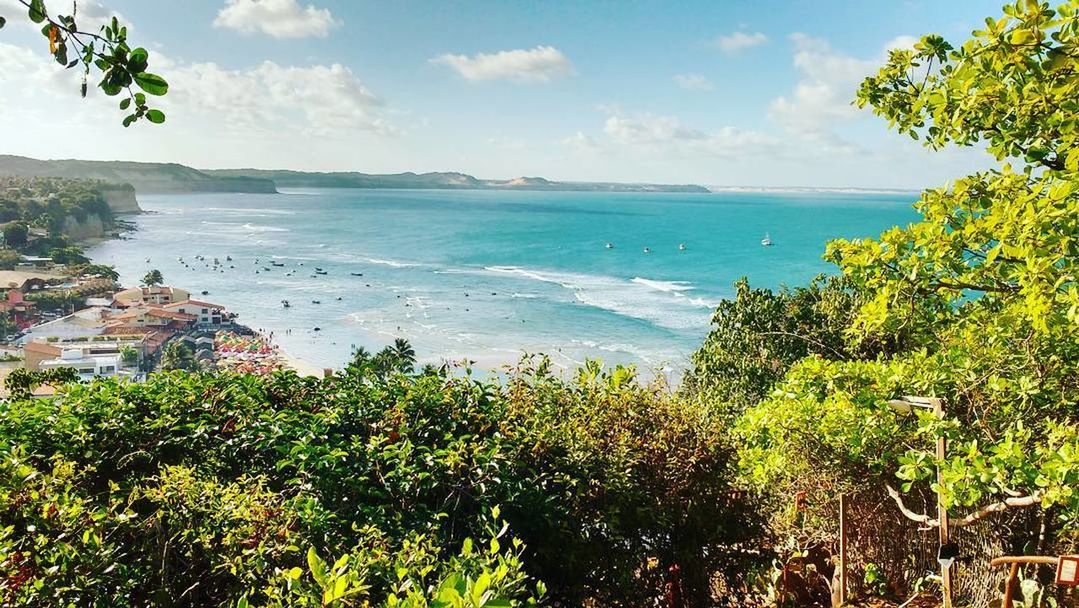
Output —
(152, 178)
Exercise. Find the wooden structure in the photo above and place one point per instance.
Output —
(1015, 562)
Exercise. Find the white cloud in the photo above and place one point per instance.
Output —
(277, 18)
(580, 143)
(828, 81)
(693, 82)
(667, 135)
(90, 15)
(320, 99)
(739, 41)
(541, 64)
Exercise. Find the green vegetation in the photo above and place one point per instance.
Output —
(153, 278)
(385, 485)
(178, 355)
(107, 52)
(47, 204)
(394, 490)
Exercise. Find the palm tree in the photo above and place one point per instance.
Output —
(404, 353)
(178, 355)
(153, 278)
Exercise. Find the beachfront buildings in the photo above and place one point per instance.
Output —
(87, 366)
(205, 313)
(158, 295)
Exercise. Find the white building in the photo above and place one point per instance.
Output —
(88, 366)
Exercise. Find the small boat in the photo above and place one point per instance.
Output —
(228, 258)
(318, 329)
(266, 269)
(285, 303)
(278, 264)
(356, 274)
(317, 269)
(316, 302)
(205, 293)
(338, 298)
(681, 246)
(147, 260)
(609, 245)
(767, 240)
(648, 250)
(320, 272)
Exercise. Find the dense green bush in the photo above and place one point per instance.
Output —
(387, 489)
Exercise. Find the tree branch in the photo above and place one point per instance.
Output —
(970, 518)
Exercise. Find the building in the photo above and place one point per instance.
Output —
(206, 313)
(20, 309)
(152, 316)
(83, 323)
(157, 295)
(145, 344)
(87, 366)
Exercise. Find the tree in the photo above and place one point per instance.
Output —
(99, 270)
(178, 356)
(15, 234)
(129, 355)
(153, 278)
(106, 52)
(985, 282)
(68, 255)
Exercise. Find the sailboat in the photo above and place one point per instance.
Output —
(767, 240)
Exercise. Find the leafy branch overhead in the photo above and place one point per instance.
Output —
(123, 69)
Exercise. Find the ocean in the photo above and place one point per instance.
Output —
(489, 275)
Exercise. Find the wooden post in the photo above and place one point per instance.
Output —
(842, 549)
(942, 512)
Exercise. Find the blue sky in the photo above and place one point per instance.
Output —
(720, 93)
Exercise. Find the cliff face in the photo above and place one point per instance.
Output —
(121, 198)
(92, 228)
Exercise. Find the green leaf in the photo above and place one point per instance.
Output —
(37, 11)
(156, 116)
(151, 83)
(124, 103)
(317, 567)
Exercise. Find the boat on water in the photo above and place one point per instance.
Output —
(609, 245)
(681, 246)
(356, 274)
(321, 272)
(278, 264)
(285, 303)
(767, 240)
(316, 302)
(205, 293)
(648, 250)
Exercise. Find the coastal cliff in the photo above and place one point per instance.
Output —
(121, 198)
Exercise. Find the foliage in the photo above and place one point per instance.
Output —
(758, 335)
(982, 289)
(178, 355)
(365, 488)
(15, 234)
(68, 255)
(56, 300)
(153, 278)
(48, 202)
(98, 270)
(21, 382)
(107, 52)
(129, 355)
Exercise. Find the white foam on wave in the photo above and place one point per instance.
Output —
(393, 263)
(661, 303)
(668, 286)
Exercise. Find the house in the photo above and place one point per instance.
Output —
(206, 312)
(151, 316)
(83, 323)
(32, 261)
(35, 353)
(28, 280)
(20, 309)
(158, 294)
(87, 366)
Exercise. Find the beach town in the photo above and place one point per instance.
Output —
(107, 330)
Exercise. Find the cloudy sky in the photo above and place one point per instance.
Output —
(733, 93)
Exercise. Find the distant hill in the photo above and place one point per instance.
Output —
(437, 181)
(145, 177)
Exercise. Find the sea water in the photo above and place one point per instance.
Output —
(489, 275)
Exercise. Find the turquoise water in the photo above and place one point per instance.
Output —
(489, 275)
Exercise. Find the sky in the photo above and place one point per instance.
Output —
(726, 93)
